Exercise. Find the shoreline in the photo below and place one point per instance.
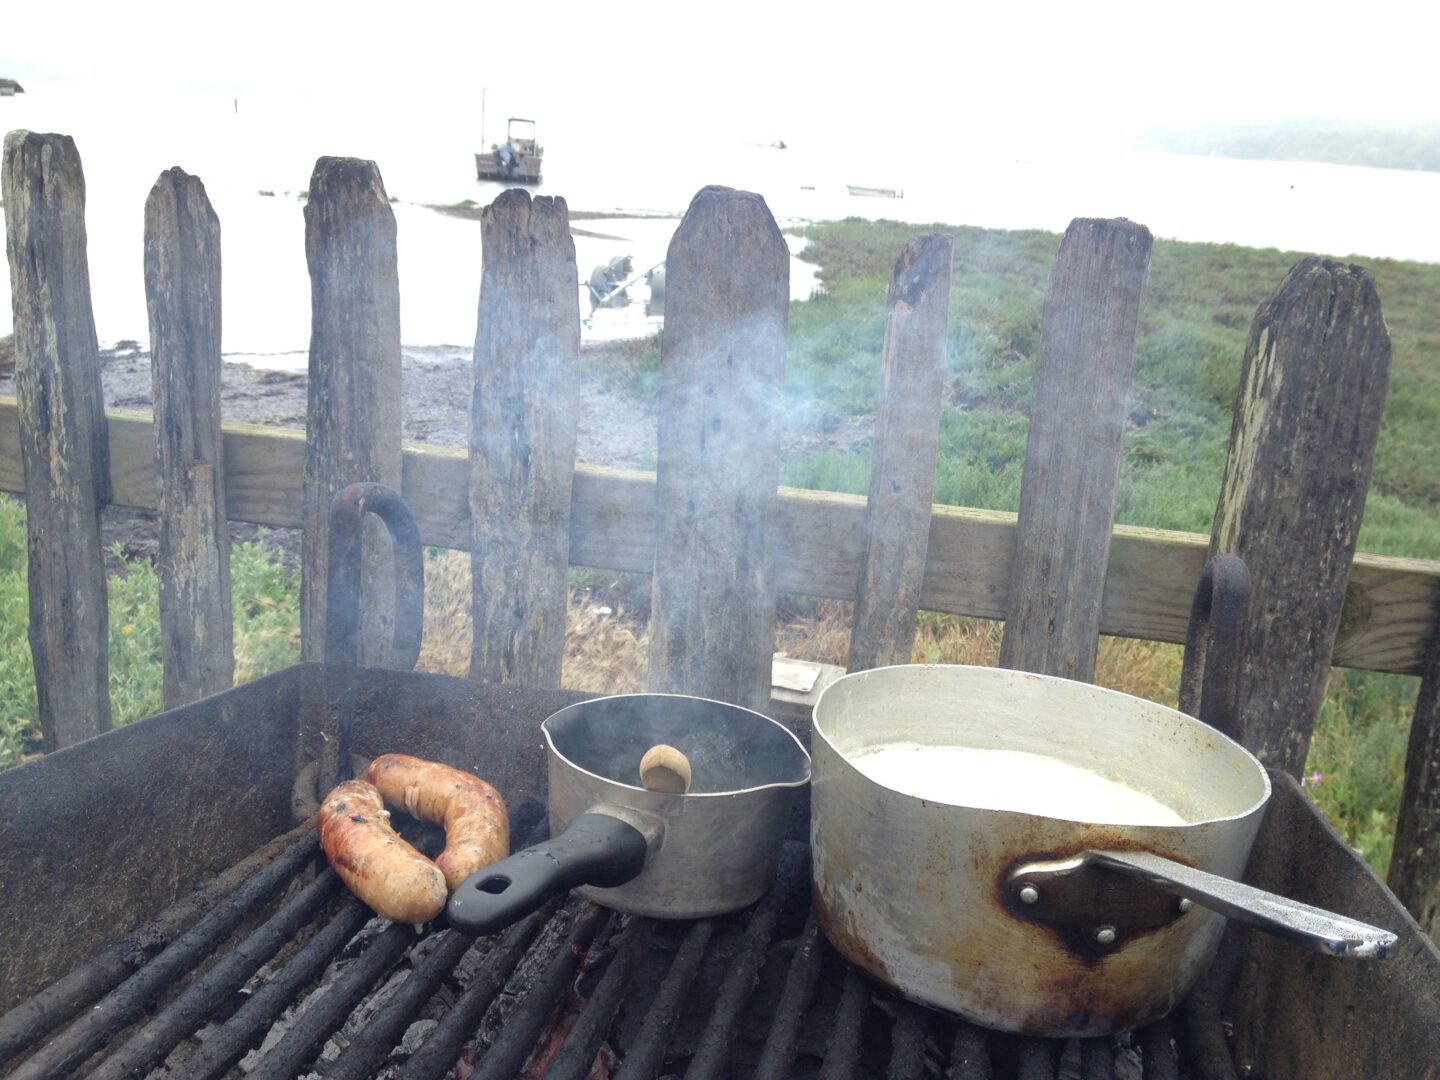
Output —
(616, 425)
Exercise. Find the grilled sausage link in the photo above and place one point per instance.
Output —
(373, 861)
(477, 826)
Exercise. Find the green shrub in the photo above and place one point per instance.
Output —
(266, 610)
(137, 652)
(12, 536)
(1356, 767)
(19, 711)
(265, 602)
(267, 632)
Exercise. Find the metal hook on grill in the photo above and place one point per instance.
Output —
(1215, 645)
(342, 608)
(342, 596)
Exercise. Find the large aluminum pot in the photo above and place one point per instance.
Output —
(672, 855)
(990, 842)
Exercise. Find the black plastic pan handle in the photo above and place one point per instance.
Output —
(597, 849)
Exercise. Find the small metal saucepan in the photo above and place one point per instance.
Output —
(703, 842)
(1042, 856)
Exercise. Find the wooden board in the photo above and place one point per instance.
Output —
(523, 415)
(1082, 383)
(1415, 865)
(902, 459)
(353, 416)
(182, 291)
(1301, 448)
(62, 442)
(722, 372)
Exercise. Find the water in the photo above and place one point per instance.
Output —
(255, 155)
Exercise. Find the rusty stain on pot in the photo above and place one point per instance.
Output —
(1064, 989)
(847, 938)
(1062, 1003)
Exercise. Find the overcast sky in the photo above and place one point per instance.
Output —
(1111, 64)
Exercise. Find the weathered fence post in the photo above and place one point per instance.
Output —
(353, 422)
(63, 438)
(1083, 374)
(182, 292)
(1415, 864)
(1301, 447)
(523, 417)
(722, 374)
(902, 466)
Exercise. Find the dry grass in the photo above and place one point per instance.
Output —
(606, 651)
(445, 646)
(1146, 669)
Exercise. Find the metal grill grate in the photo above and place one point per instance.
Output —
(286, 976)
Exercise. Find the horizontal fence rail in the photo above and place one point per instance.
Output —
(1388, 616)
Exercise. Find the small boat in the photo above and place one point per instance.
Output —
(517, 160)
(876, 192)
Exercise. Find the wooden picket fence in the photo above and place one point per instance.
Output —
(711, 526)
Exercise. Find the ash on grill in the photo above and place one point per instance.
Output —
(313, 985)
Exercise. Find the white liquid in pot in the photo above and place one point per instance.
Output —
(1011, 780)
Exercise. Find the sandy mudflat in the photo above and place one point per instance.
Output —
(616, 426)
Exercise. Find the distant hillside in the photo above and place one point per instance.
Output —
(1381, 145)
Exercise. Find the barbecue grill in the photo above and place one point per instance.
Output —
(167, 916)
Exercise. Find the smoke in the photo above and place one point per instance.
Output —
(730, 749)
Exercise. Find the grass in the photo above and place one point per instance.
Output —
(1357, 759)
(19, 717)
(1198, 305)
(1199, 302)
(266, 617)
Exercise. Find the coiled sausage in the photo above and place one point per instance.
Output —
(477, 825)
(372, 860)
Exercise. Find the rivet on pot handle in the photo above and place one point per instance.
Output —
(1298, 923)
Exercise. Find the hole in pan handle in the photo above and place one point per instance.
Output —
(597, 849)
(1301, 924)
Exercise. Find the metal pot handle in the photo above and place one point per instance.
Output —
(1313, 927)
(1047, 888)
(342, 591)
(342, 610)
